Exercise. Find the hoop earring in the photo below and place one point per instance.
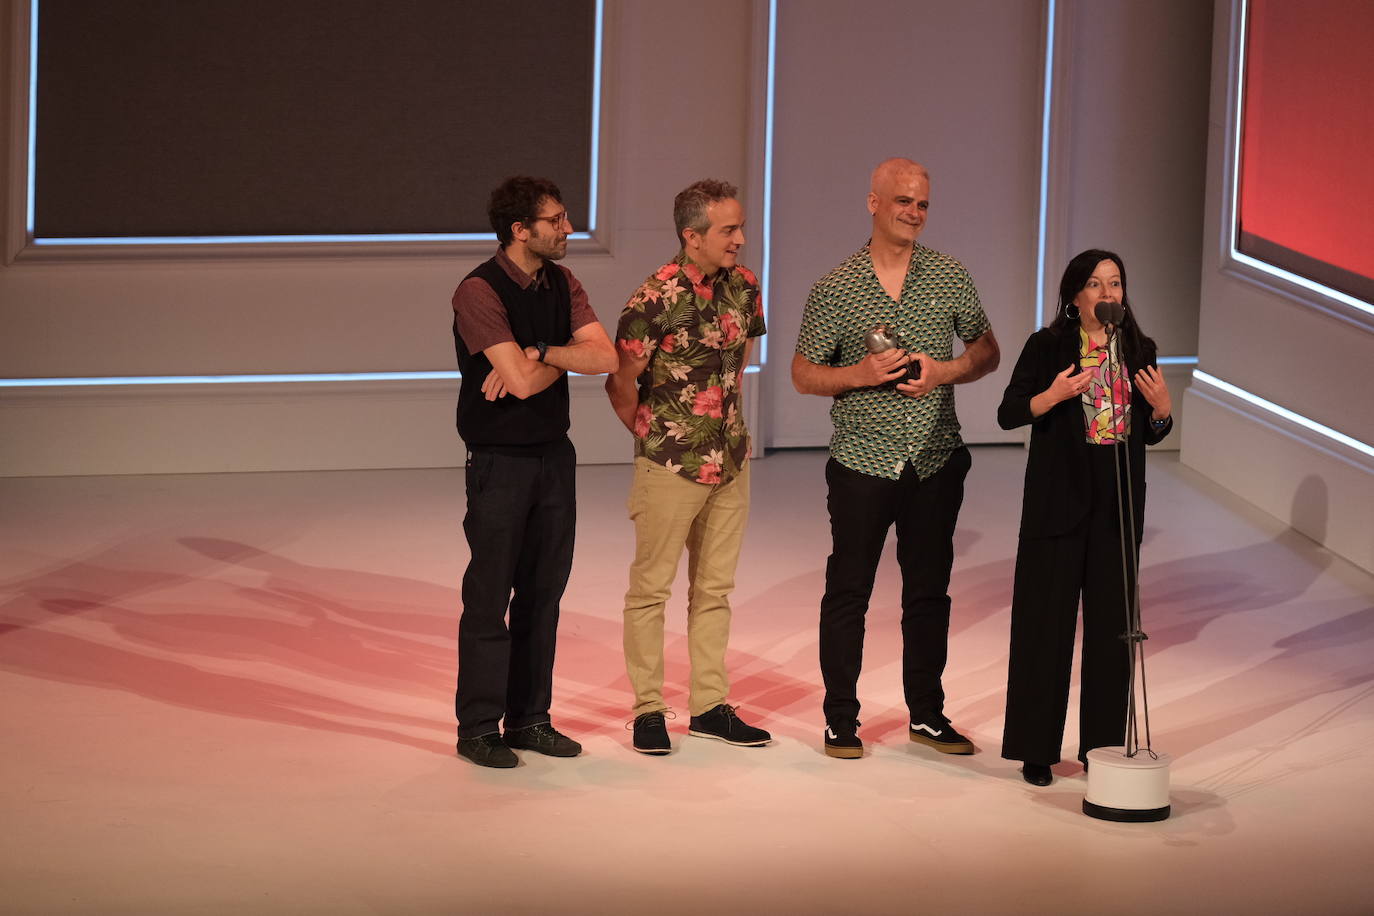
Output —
(1071, 315)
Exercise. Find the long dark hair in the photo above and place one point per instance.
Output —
(1076, 276)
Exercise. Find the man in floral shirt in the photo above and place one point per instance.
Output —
(684, 340)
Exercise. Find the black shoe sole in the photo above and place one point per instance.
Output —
(696, 734)
(844, 753)
(944, 747)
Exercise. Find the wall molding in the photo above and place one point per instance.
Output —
(1318, 485)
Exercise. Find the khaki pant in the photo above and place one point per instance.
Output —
(670, 512)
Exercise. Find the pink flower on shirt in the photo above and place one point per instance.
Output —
(642, 417)
(708, 403)
(708, 473)
(633, 346)
(668, 344)
(667, 270)
(730, 327)
(699, 287)
(747, 274)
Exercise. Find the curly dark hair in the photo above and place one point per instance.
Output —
(1076, 275)
(517, 200)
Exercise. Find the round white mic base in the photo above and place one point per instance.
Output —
(1127, 789)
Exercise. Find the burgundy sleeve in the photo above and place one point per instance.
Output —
(582, 313)
(481, 317)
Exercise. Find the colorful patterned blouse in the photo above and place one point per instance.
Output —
(1110, 384)
(693, 329)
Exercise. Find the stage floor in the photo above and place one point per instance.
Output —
(233, 694)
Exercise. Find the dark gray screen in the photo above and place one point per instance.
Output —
(304, 117)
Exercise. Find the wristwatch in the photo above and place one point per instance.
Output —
(543, 349)
(1159, 424)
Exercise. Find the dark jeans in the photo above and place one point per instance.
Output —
(862, 509)
(1050, 574)
(521, 516)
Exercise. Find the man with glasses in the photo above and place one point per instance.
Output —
(896, 457)
(684, 340)
(521, 323)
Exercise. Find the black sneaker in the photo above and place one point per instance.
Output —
(721, 723)
(651, 734)
(1037, 774)
(543, 738)
(939, 734)
(487, 751)
(842, 740)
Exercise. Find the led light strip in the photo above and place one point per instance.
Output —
(224, 379)
(1285, 413)
(111, 381)
(1045, 107)
(766, 268)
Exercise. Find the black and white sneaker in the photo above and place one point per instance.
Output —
(721, 723)
(651, 734)
(842, 740)
(937, 732)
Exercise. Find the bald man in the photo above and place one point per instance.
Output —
(896, 457)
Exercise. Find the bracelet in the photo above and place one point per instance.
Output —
(543, 349)
(1159, 424)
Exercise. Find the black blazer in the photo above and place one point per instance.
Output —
(1056, 498)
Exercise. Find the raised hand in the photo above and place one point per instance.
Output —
(1151, 384)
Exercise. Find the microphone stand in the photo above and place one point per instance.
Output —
(1130, 574)
(1128, 787)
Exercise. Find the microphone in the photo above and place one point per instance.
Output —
(1109, 312)
(883, 338)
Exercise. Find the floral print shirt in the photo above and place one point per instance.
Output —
(694, 329)
(1108, 397)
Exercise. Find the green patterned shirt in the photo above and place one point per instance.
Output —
(694, 329)
(878, 430)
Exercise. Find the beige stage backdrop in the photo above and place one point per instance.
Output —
(957, 85)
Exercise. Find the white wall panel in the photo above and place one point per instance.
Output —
(954, 86)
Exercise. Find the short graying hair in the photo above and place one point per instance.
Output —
(689, 207)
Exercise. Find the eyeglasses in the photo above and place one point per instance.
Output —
(556, 220)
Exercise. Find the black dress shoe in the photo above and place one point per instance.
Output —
(651, 734)
(1037, 774)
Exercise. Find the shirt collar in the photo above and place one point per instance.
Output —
(517, 273)
(913, 266)
(684, 260)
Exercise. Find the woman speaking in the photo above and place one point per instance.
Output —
(1092, 399)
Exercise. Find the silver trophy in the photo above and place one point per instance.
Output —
(884, 337)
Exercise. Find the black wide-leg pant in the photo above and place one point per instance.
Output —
(521, 517)
(1051, 573)
(862, 509)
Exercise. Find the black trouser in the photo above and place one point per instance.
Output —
(521, 516)
(1050, 573)
(862, 509)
